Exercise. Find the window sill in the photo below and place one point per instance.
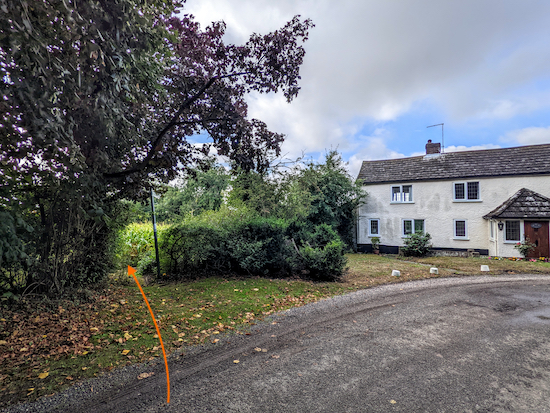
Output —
(511, 242)
(459, 201)
(396, 202)
(461, 239)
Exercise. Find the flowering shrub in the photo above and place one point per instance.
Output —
(524, 247)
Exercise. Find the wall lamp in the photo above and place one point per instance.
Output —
(500, 225)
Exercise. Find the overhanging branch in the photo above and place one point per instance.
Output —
(173, 122)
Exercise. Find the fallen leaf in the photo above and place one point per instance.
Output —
(145, 375)
(236, 361)
(24, 349)
(43, 375)
(124, 352)
(393, 401)
(258, 349)
(94, 329)
(215, 340)
(127, 336)
(275, 356)
(84, 368)
(256, 289)
(3, 342)
(84, 353)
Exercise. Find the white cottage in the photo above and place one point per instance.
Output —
(485, 201)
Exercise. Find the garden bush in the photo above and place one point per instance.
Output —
(417, 245)
(319, 251)
(225, 241)
(234, 241)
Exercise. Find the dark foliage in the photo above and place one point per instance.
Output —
(99, 100)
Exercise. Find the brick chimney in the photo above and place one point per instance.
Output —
(432, 148)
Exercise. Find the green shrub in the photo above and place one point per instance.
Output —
(319, 252)
(417, 245)
(135, 241)
(225, 241)
(233, 241)
(324, 263)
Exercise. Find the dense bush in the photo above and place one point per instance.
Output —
(235, 241)
(417, 245)
(226, 241)
(319, 251)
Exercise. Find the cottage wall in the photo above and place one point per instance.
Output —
(433, 202)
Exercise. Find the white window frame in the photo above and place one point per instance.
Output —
(466, 199)
(401, 199)
(521, 234)
(413, 223)
(460, 237)
(372, 234)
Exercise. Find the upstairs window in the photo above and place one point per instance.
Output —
(466, 191)
(402, 193)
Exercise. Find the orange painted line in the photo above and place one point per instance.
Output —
(132, 272)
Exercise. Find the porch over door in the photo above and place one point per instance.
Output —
(537, 232)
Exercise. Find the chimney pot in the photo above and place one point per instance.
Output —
(432, 148)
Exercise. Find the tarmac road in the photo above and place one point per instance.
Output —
(472, 344)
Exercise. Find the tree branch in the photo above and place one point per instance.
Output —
(173, 122)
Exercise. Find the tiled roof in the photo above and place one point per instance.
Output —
(521, 160)
(523, 204)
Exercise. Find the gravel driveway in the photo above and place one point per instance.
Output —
(472, 344)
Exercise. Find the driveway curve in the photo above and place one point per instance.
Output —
(472, 344)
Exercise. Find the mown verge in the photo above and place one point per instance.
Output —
(48, 346)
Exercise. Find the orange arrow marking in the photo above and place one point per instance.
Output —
(132, 272)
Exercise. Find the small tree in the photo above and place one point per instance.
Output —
(417, 244)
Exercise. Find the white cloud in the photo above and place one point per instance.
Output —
(371, 148)
(528, 136)
(371, 61)
(462, 148)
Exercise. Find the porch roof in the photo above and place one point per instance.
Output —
(523, 204)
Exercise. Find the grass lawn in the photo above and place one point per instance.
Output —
(47, 346)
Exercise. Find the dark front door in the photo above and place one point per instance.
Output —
(537, 233)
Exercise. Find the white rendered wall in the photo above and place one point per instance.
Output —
(433, 202)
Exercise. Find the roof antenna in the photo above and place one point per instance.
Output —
(442, 136)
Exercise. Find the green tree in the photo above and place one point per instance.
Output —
(202, 191)
(327, 195)
(257, 191)
(99, 100)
